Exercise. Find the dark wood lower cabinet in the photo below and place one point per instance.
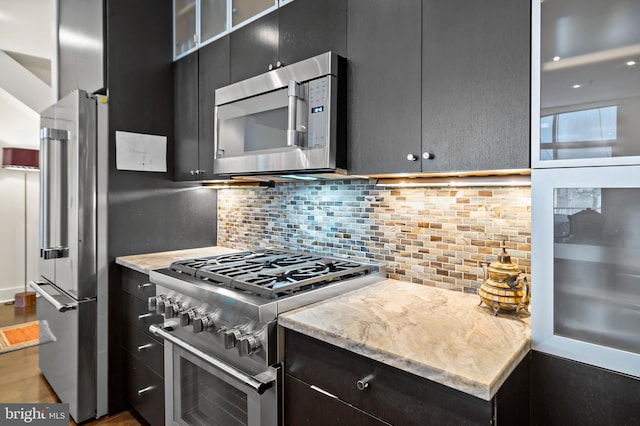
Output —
(324, 409)
(320, 377)
(144, 390)
(565, 392)
(142, 353)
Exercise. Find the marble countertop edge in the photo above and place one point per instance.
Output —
(144, 263)
(451, 379)
(485, 390)
(511, 365)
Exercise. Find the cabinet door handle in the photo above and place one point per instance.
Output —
(428, 155)
(412, 157)
(143, 316)
(144, 390)
(143, 347)
(145, 285)
(363, 383)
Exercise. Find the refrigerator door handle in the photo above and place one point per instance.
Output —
(61, 307)
(53, 193)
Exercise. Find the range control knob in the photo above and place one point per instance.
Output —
(172, 310)
(161, 304)
(154, 301)
(187, 317)
(248, 345)
(231, 337)
(204, 323)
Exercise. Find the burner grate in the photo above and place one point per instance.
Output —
(271, 273)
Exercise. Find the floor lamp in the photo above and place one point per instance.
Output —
(24, 160)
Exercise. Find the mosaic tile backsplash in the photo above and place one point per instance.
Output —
(431, 236)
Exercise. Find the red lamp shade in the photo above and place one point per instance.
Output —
(20, 158)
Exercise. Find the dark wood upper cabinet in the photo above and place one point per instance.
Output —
(254, 47)
(196, 78)
(432, 86)
(384, 99)
(310, 27)
(449, 79)
(475, 84)
(213, 72)
(297, 31)
(186, 117)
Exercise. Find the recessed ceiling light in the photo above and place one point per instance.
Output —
(556, 58)
(631, 63)
(576, 86)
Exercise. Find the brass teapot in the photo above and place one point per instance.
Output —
(504, 288)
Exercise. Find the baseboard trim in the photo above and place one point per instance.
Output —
(6, 294)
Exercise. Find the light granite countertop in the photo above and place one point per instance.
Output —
(441, 335)
(148, 262)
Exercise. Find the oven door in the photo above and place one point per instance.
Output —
(202, 390)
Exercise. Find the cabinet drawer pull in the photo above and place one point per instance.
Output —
(144, 390)
(363, 383)
(143, 316)
(143, 347)
(145, 285)
(324, 392)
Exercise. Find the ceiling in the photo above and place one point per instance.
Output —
(26, 51)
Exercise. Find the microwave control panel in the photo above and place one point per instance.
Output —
(317, 129)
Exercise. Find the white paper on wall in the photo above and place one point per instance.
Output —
(141, 152)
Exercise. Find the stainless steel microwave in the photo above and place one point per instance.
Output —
(288, 120)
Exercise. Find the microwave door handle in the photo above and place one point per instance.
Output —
(294, 95)
(51, 174)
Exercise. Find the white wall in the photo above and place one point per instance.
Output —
(19, 127)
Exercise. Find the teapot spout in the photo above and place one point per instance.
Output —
(513, 280)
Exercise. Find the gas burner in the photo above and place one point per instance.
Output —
(270, 273)
(289, 260)
(191, 266)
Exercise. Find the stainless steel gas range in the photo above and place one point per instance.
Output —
(222, 363)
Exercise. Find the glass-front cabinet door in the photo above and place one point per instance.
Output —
(185, 32)
(586, 78)
(198, 22)
(586, 265)
(213, 19)
(245, 10)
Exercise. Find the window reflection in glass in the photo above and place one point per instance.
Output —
(589, 79)
(588, 133)
(597, 124)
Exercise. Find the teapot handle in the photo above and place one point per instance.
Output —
(523, 301)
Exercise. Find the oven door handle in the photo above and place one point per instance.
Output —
(258, 385)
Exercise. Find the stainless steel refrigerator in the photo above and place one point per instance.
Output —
(73, 285)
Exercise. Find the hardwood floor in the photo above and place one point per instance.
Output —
(20, 378)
